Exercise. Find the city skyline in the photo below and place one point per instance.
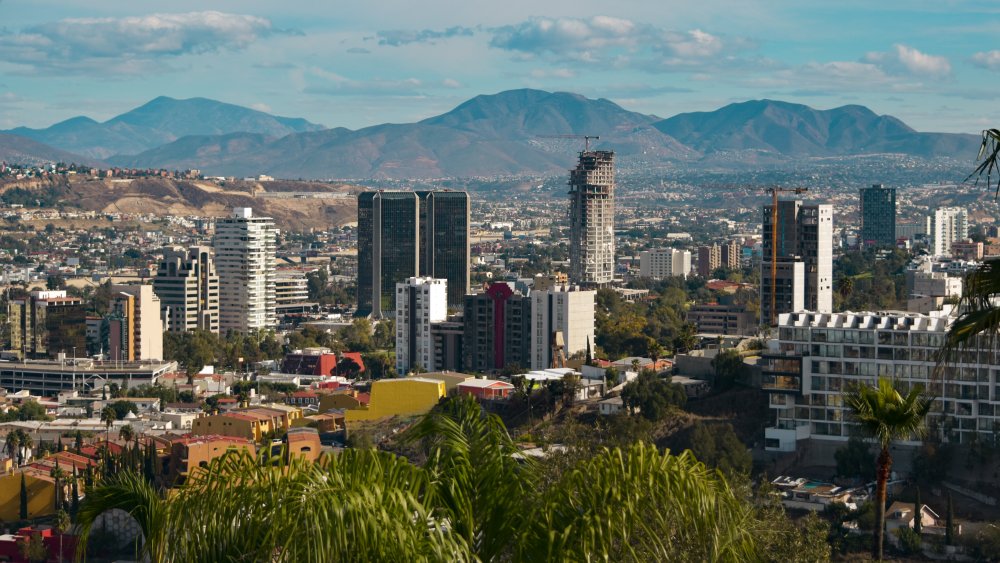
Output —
(925, 63)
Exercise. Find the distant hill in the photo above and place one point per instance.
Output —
(15, 149)
(795, 130)
(509, 133)
(158, 122)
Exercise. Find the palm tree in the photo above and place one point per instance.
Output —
(12, 445)
(471, 501)
(885, 415)
(26, 444)
(126, 433)
(62, 524)
(108, 417)
(989, 157)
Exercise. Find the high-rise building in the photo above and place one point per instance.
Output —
(420, 302)
(290, 288)
(245, 259)
(444, 240)
(497, 329)
(663, 263)
(731, 255)
(409, 234)
(136, 327)
(560, 317)
(805, 234)
(592, 219)
(878, 216)
(820, 356)
(709, 260)
(946, 226)
(46, 324)
(188, 287)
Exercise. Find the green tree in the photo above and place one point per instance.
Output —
(348, 368)
(949, 522)
(23, 510)
(918, 514)
(12, 445)
(855, 459)
(32, 549)
(652, 396)
(108, 417)
(718, 446)
(729, 368)
(885, 415)
(123, 408)
(61, 524)
(126, 433)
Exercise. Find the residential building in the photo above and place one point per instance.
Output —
(188, 287)
(310, 361)
(663, 263)
(967, 249)
(290, 288)
(408, 234)
(245, 259)
(562, 324)
(497, 331)
(910, 231)
(804, 236)
(252, 424)
(878, 216)
(136, 327)
(946, 226)
(408, 396)
(731, 255)
(592, 219)
(419, 303)
(188, 452)
(818, 356)
(449, 344)
(715, 318)
(709, 260)
(486, 389)
(46, 324)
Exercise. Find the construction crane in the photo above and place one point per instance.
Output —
(774, 244)
(586, 139)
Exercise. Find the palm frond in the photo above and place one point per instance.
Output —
(886, 415)
(989, 160)
(978, 324)
(130, 492)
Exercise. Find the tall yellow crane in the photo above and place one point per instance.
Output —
(774, 244)
(586, 139)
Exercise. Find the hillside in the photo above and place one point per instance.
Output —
(295, 206)
(158, 122)
(15, 149)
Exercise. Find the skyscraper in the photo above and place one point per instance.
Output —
(245, 259)
(47, 323)
(188, 287)
(709, 260)
(878, 216)
(946, 226)
(592, 219)
(407, 234)
(136, 325)
(805, 235)
(497, 325)
(444, 240)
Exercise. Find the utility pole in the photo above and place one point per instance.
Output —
(774, 244)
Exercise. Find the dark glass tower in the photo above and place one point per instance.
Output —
(878, 216)
(407, 234)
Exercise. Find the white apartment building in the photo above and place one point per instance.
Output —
(564, 312)
(818, 357)
(664, 262)
(136, 324)
(419, 302)
(946, 226)
(188, 287)
(245, 259)
(290, 288)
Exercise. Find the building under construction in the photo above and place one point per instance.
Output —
(592, 219)
(803, 247)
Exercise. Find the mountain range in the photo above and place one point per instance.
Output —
(514, 132)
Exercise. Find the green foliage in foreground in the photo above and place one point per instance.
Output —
(471, 501)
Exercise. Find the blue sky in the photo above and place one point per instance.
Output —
(936, 65)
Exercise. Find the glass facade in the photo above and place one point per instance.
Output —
(878, 216)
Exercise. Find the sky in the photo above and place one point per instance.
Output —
(933, 64)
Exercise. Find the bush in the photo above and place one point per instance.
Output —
(909, 541)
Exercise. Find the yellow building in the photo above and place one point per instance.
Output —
(451, 379)
(252, 424)
(409, 396)
(345, 401)
(41, 495)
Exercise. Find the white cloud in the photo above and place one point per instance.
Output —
(987, 59)
(125, 45)
(903, 59)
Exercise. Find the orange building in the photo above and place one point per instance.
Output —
(188, 452)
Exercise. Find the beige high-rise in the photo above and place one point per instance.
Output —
(245, 259)
(592, 219)
(188, 287)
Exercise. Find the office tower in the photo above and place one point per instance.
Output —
(188, 287)
(419, 303)
(47, 323)
(136, 327)
(820, 356)
(410, 234)
(562, 321)
(946, 226)
(664, 262)
(592, 219)
(709, 260)
(497, 329)
(805, 235)
(444, 241)
(878, 216)
(245, 260)
(731, 256)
